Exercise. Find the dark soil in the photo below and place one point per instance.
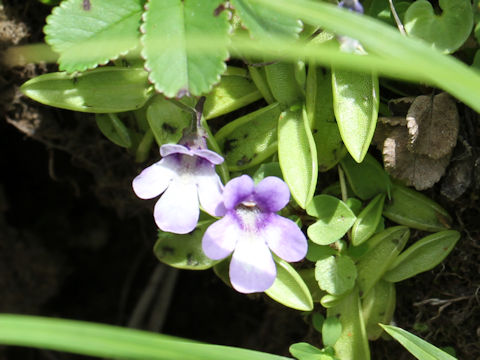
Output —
(76, 243)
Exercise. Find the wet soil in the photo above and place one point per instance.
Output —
(76, 243)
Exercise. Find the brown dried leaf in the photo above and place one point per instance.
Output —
(433, 125)
(417, 170)
(400, 106)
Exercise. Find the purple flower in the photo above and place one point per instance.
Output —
(185, 175)
(353, 5)
(250, 229)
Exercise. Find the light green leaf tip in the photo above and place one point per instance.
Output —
(169, 30)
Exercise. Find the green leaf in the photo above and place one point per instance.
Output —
(263, 22)
(232, 93)
(336, 274)
(289, 289)
(184, 251)
(86, 37)
(319, 105)
(355, 102)
(329, 300)
(297, 155)
(114, 129)
(353, 343)
(304, 351)
(334, 219)
(267, 169)
(375, 262)
(424, 255)
(366, 179)
(169, 26)
(283, 83)
(368, 220)
(411, 208)
(446, 32)
(308, 276)
(167, 120)
(260, 79)
(354, 204)
(317, 321)
(104, 90)
(331, 331)
(318, 252)
(112, 342)
(250, 139)
(378, 306)
(418, 347)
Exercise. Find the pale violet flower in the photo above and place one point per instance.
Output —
(348, 44)
(251, 229)
(185, 176)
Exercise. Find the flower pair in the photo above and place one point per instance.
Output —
(250, 227)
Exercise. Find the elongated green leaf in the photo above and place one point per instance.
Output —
(250, 139)
(232, 93)
(105, 90)
(167, 120)
(378, 306)
(418, 347)
(334, 219)
(262, 22)
(411, 208)
(368, 220)
(353, 343)
(375, 262)
(297, 155)
(114, 129)
(283, 83)
(112, 342)
(319, 105)
(184, 251)
(424, 255)
(446, 32)
(168, 27)
(336, 274)
(355, 102)
(73, 25)
(289, 288)
(366, 179)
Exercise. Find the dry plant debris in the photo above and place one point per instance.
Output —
(417, 146)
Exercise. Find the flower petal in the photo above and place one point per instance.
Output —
(169, 149)
(210, 190)
(220, 238)
(285, 238)
(237, 190)
(272, 194)
(209, 155)
(177, 210)
(153, 180)
(252, 268)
